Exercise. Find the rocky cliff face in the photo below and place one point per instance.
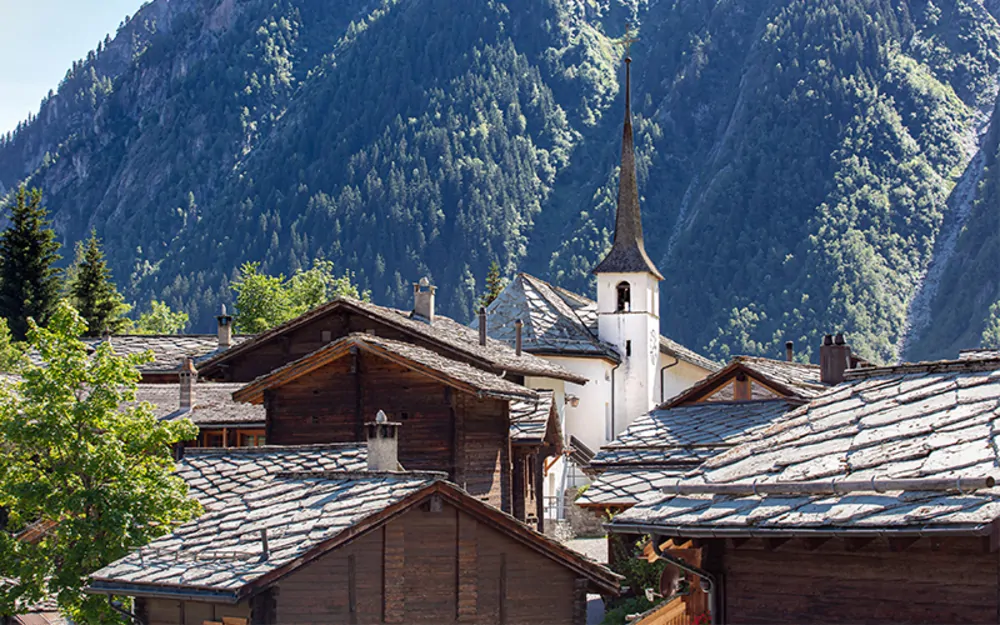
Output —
(801, 163)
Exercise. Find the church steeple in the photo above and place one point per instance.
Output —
(628, 252)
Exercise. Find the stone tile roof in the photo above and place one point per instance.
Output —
(553, 319)
(213, 404)
(216, 474)
(979, 354)
(169, 350)
(222, 551)
(930, 420)
(444, 331)
(666, 443)
(408, 354)
(529, 419)
(560, 322)
(621, 487)
(792, 379)
(220, 556)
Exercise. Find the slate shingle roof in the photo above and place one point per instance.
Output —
(666, 443)
(485, 382)
(169, 350)
(221, 556)
(212, 404)
(444, 331)
(215, 474)
(560, 322)
(222, 551)
(932, 420)
(530, 418)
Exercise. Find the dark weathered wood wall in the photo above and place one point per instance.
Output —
(443, 429)
(934, 580)
(431, 567)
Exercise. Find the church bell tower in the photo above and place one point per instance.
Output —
(628, 291)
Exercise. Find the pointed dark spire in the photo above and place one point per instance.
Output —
(628, 252)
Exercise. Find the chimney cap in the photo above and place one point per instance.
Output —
(381, 418)
(424, 282)
(828, 339)
(839, 339)
(188, 366)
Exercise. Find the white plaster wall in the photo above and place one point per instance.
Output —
(676, 378)
(587, 420)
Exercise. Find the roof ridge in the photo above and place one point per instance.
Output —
(262, 449)
(359, 475)
(988, 363)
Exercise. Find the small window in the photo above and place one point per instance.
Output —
(624, 297)
(628, 349)
(327, 336)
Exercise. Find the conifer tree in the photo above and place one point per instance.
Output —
(494, 285)
(95, 295)
(29, 281)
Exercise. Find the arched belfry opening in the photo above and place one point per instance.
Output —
(624, 297)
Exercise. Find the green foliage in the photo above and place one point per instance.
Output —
(10, 352)
(77, 456)
(161, 319)
(264, 301)
(991, 334)
(29, 281)
(93, 293)
(618, 611)
(494, 285)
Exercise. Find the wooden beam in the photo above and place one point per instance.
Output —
(394, 573)
(772, 544)
(814, 543)
(856, 543)
(502, 591)
(352, 589)
(359, 415)
(737, 541)
(994, 537)
(901, 543)
(468, 568)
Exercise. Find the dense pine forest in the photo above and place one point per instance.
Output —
(805, 166)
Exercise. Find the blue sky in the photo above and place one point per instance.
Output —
(40, 39)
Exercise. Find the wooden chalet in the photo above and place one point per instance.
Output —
(874, 502)
(353, 546)
(250, 359)
(458, 417)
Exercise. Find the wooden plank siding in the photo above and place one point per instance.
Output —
(432, 567)
(934, 580)
(173, 612)
(443, 430)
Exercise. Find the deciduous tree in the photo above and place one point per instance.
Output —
(84, 464)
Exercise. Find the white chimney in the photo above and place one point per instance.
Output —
(423, 300)
(188, 375)
(383, 444)
(225, 329)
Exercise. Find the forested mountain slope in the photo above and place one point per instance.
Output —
(796, 157)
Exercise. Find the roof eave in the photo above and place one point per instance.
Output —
(965, 529)
(111, 587)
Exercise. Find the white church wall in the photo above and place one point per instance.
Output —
(677, 377)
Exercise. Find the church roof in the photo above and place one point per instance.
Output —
(628, 252)
(558, 322)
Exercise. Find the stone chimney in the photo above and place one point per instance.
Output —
(225, 329)
(188, 375)
(383, 443)
(834, 359)
(789, 351)
(482, 325)
(518, 330)
(423, 300)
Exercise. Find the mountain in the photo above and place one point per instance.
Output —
(805, 167)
